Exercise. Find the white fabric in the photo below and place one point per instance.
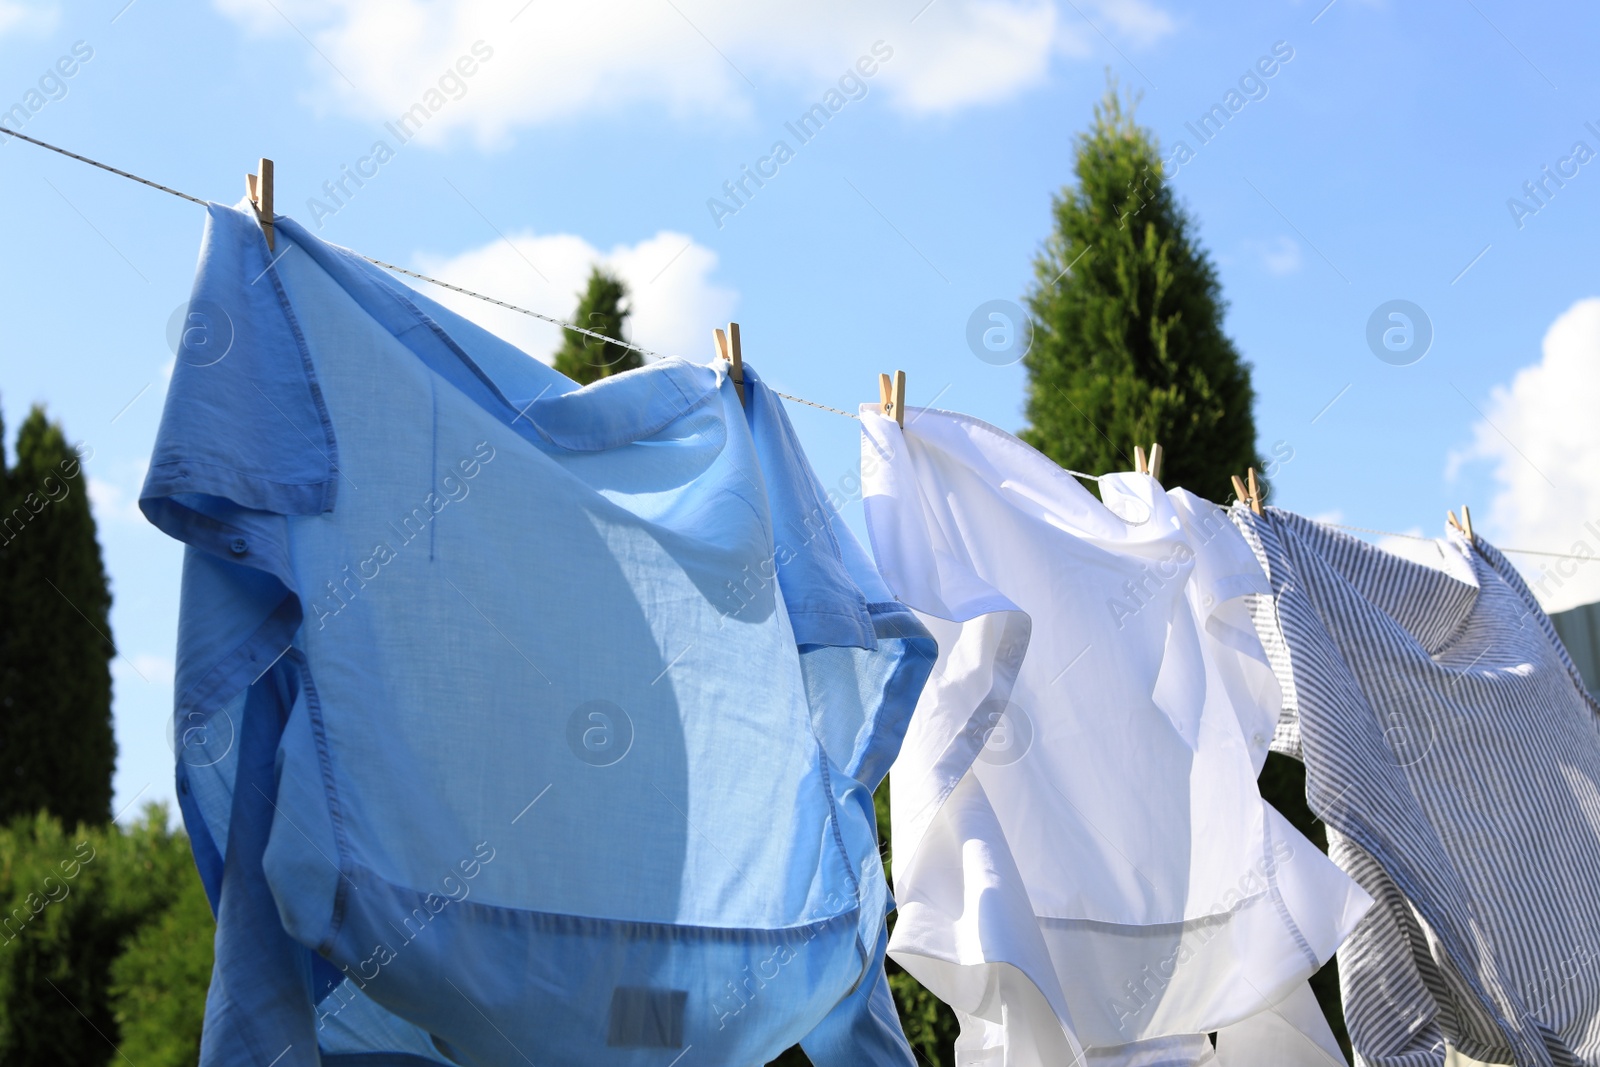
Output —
(1294, 1031)
(1080, 846)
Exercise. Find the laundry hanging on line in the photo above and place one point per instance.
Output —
(1083, 857)
(1452, 749)
(519, 765)
(424, 689)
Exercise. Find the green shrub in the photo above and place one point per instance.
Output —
(70, 904)
(158, 984)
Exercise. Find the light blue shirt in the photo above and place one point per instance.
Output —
(520, 722)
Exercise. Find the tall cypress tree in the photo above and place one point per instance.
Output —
(602, 307)
(57, 750)
(1128, 345)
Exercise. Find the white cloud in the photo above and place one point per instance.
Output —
(675, 302)
(1409, 544)
(1145, 23)
(1280, 256)
(702, 58)
(28, 17)
(976, 54)
(113, 501)
(1428, 552)
(1539, 434)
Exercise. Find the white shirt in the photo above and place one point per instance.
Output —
(1082, 858)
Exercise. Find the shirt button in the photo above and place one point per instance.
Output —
(1258, 740)
(238, 546)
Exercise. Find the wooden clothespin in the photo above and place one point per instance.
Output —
(728, 348)
(259, 187)
(1248, 494)
(892, 396)
(1465, 525)
(1151, 464)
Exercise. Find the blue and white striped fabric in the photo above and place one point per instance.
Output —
(1453, 752)
(521, 722)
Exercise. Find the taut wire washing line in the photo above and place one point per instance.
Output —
(400, 270)
(639, 348)
(1433, 540)
(565, 325)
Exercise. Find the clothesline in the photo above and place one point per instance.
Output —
(566, 325)
(402, 270)
(639, 348)
(1423, 537)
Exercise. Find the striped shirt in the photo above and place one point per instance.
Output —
(1453, 751)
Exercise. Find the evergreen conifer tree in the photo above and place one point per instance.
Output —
(1128, 345)
(602, 308)
(57, 749)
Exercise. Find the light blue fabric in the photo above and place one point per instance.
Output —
(561, 707)
(864, 658)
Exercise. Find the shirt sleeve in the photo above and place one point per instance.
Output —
(1531, 609)
(1269, 627)
(242, 372)
(244, 442)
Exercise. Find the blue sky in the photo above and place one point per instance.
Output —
(1384, 160)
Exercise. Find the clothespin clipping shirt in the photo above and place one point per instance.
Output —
(259, 188)
(1248, 494)
(728, 348)
(1150, 464)
(892, 396)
